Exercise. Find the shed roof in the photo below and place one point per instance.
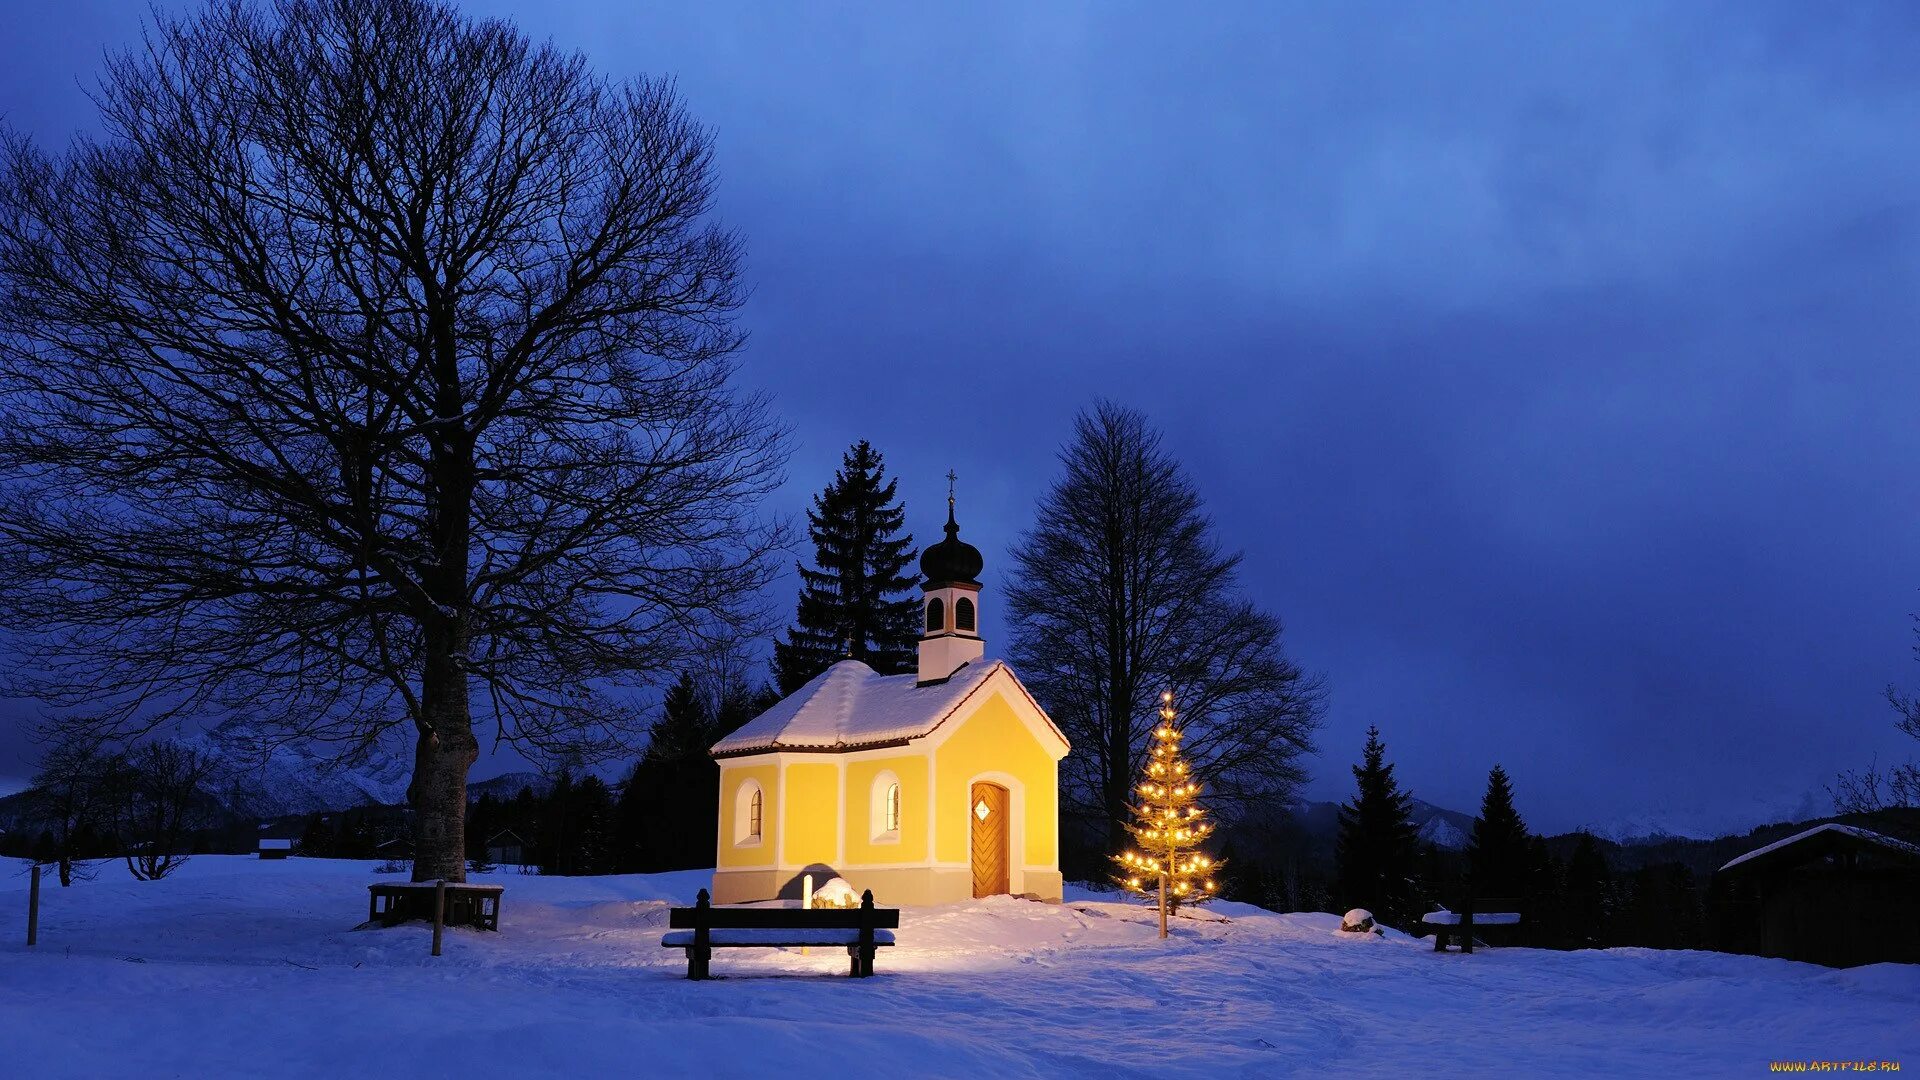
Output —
(1820, 839)
(850, 706)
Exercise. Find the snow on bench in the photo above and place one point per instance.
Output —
(1491, 918)
(773, 937)
(1473, 914)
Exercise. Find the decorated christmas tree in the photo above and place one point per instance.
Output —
(1167, 863)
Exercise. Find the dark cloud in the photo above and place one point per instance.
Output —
(1552, 369)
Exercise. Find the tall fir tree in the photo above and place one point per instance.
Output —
(1498, 854)
(685, 728)
(592, 813)
(1589, 889)
(663, 819)
(557, 826)
(856, 601)
(1377, 843)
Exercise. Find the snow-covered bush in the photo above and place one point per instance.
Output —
(836, 893)
(1360, 921)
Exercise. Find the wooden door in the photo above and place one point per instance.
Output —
(987, 809)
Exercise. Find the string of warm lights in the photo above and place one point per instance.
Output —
(1168, 828)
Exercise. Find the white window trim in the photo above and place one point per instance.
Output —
(877, 808)
(743, 814)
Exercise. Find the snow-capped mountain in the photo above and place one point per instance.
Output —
(263, 778)
(508, 784)
(1437, 825)
(1671, 822)
(1442, 833)
(1441, 827)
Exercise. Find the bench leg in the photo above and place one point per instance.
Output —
(1439, 941)
(697, 960)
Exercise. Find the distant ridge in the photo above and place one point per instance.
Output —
(509, 784)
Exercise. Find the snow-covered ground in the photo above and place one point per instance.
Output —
(235, 967)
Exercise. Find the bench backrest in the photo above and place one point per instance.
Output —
(733, 918)
(726, 918)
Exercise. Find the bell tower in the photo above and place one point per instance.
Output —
(950, 605)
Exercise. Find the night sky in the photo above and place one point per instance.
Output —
(1556, 373)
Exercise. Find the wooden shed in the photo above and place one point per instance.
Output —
(1835, 894)
(505, 847)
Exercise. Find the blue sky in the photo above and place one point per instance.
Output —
(1553, 365)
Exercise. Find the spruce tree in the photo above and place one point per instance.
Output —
(738, 702)
(1498, 853)
(664, 819)
(854, 602)
(1376, 846)
(685, 728)
(592, 814)
(556, 826)
(1589, 882)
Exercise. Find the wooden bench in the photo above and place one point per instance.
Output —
(703, 928)
(1474, 913)
(394, 902)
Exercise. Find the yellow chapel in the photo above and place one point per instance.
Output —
(928, 788)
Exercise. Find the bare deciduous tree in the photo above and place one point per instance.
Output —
(372, 372)
(159, 796)
(1873, 789)
(1119, 591)
(72, 799)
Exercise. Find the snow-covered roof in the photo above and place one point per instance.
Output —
(1853, 831)
(849, 706)
(275, 845)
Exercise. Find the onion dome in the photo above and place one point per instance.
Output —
(952, 559)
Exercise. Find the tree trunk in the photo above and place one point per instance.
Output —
(446, 748)
(444, 752)
(1119, 785)
(1119, 691)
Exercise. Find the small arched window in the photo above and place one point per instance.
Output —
(886, 807)
(963, 614)
(749, 813)
(936, 615)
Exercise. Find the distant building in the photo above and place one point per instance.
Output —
(506, 847)
(398, 849)
(1835, 894)
(271, 848)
